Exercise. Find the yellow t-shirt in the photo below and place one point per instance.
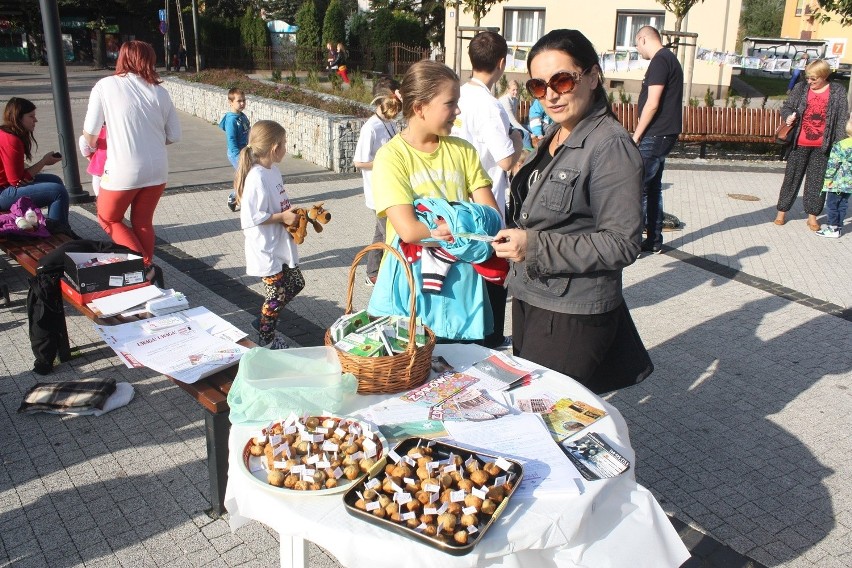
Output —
(402, 174)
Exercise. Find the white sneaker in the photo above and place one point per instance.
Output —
(828, 232)
(277, 342)
(370, 282)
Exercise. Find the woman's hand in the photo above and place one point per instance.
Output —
(791, 119)
(49, 159)
(511, 244)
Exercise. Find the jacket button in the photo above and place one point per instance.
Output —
(525, 216)
(562, 175)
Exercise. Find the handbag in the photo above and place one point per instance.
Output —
(784, 134)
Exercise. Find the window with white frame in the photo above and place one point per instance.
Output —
(523, 26)
(628, 23)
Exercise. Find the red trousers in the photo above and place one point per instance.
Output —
(139, 236)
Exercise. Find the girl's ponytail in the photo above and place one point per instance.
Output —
(244, 163)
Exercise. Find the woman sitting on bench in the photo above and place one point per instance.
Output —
(16, 179)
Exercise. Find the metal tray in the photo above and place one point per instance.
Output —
(441, 451)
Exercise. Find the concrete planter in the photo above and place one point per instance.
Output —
(324, 139)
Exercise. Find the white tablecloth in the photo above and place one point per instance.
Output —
(613, 522)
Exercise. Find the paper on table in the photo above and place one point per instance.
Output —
(117, 303)
(525, 438)
(116, 336)
(395, 411)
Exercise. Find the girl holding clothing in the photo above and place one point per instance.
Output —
(271, 252)
(424, 161)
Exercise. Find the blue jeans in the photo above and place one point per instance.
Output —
(47, 190)
(654, 150)
(835, 207)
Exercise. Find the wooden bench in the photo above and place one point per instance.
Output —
(704, 125)
(211, 392)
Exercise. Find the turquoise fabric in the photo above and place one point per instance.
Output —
(461, 311)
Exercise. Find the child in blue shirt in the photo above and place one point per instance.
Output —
(236, 126)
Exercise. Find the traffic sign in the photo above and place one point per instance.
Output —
(162, 15)
(164, 27)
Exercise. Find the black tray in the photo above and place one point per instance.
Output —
(441, 451)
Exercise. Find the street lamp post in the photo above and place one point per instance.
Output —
(62, 101)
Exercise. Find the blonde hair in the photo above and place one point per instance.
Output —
(422, 82)
(849, 127)
(384, 97)
(820, 68)
(264, 137)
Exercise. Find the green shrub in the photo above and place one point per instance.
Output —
(624, 97)
(292, 80)
(334, 24)
(336, 81)
(709, 100)
(311, 81)
(276, 75)
(693, 101)
(308, 36)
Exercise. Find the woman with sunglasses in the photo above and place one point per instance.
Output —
(819, 110)
(577, 214)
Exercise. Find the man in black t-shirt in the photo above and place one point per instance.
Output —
(660, 123)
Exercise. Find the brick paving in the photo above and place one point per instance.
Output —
(742, 432)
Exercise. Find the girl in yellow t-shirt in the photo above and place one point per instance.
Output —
(425, 161)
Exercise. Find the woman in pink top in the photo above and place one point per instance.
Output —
(16, 178)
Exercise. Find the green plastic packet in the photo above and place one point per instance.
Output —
(271, 384)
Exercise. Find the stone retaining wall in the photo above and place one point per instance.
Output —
(322, 138)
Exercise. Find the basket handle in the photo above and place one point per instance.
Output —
(412, 304)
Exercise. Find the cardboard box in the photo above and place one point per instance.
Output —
(89, 272)
(74, 295)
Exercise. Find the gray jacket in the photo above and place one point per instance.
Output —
(583, 219)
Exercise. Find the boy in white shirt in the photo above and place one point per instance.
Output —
(484, 123)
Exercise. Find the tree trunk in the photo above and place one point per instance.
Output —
(100, 49)
(678, 23)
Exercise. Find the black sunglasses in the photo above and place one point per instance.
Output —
(561, 83)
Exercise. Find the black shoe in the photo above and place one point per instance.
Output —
(154, 275)
(232, 203)
(651, 247)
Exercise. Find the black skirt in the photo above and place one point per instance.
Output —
(601, 351)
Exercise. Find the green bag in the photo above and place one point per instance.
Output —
(271, 384)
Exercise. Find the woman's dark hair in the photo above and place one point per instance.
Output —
(15, 109)
(576, 46)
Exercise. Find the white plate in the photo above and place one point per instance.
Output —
(254, 467)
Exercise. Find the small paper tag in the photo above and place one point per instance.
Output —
(469, 510)
(321, 430)
(373, 505)
(116, 280)
(481, 493)
(132, 278)
(449, 468)
(297, 469)
(279, 464)
(290, 429)
(393, 456)
(313, 459)
(330, 446)
(408, 481)
(373, 483)
(408, 515)
(318, 438)
(340, 432)
(457, 496)
(395, 487)
(443, 508)
(430, 511)
(501, 480)
(503, 464)
(337, 473)
(402, 498)
(275, 439)
(306, 436)
(472, 529)
(323, 464)
(431, 487)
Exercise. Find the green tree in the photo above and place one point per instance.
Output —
(841, 8)
(334, 23)
(431, 14)
(762, 18)
(223, 8)
(680, 8)
(476, 7)
(308, 36)
(281, 9)
(253, 30)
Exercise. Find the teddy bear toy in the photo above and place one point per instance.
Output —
(316, 216)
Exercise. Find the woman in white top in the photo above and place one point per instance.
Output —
(141, 120)
(377, 131)
(509, 101)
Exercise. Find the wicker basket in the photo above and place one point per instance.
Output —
(394, 373)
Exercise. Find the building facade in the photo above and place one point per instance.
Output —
(611, 26)
(801, 22)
